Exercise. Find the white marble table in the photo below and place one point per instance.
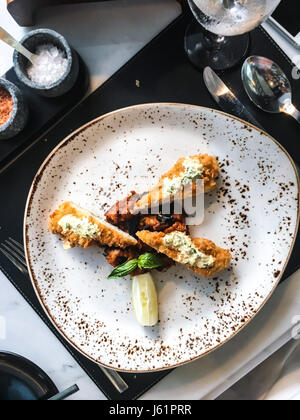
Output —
(107, 35)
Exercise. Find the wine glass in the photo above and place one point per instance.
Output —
(222, 40)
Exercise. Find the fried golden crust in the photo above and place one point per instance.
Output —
(210, 173)
(108, 235)
(207, 247)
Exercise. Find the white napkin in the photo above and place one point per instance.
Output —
(278, 378)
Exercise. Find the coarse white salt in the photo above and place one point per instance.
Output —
(48, 66)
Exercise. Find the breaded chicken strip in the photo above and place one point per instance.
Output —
(199, 255)
(79, 227)
(183, 174)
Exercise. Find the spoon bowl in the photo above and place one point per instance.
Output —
(268, 86)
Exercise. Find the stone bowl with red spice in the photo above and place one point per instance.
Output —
(13, 110)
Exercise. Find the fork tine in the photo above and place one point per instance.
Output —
(12, 252)
(14, 261)
(11, 245)
(17, 244)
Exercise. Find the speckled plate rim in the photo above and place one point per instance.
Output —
(70, 138)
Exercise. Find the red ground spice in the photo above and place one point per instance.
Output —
(6, 106)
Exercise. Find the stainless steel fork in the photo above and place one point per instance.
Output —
(14, 251)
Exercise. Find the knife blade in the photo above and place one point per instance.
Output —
(224, 97)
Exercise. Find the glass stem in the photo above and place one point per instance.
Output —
(228, 4)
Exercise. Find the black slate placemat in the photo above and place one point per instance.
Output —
(165, 75)
(43, 113)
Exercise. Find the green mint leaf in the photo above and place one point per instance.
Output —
(149, 261)
(124, 269)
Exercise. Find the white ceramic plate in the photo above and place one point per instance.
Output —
(254, 211)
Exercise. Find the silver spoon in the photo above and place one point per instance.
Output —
(12, 42)
(268, 86)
